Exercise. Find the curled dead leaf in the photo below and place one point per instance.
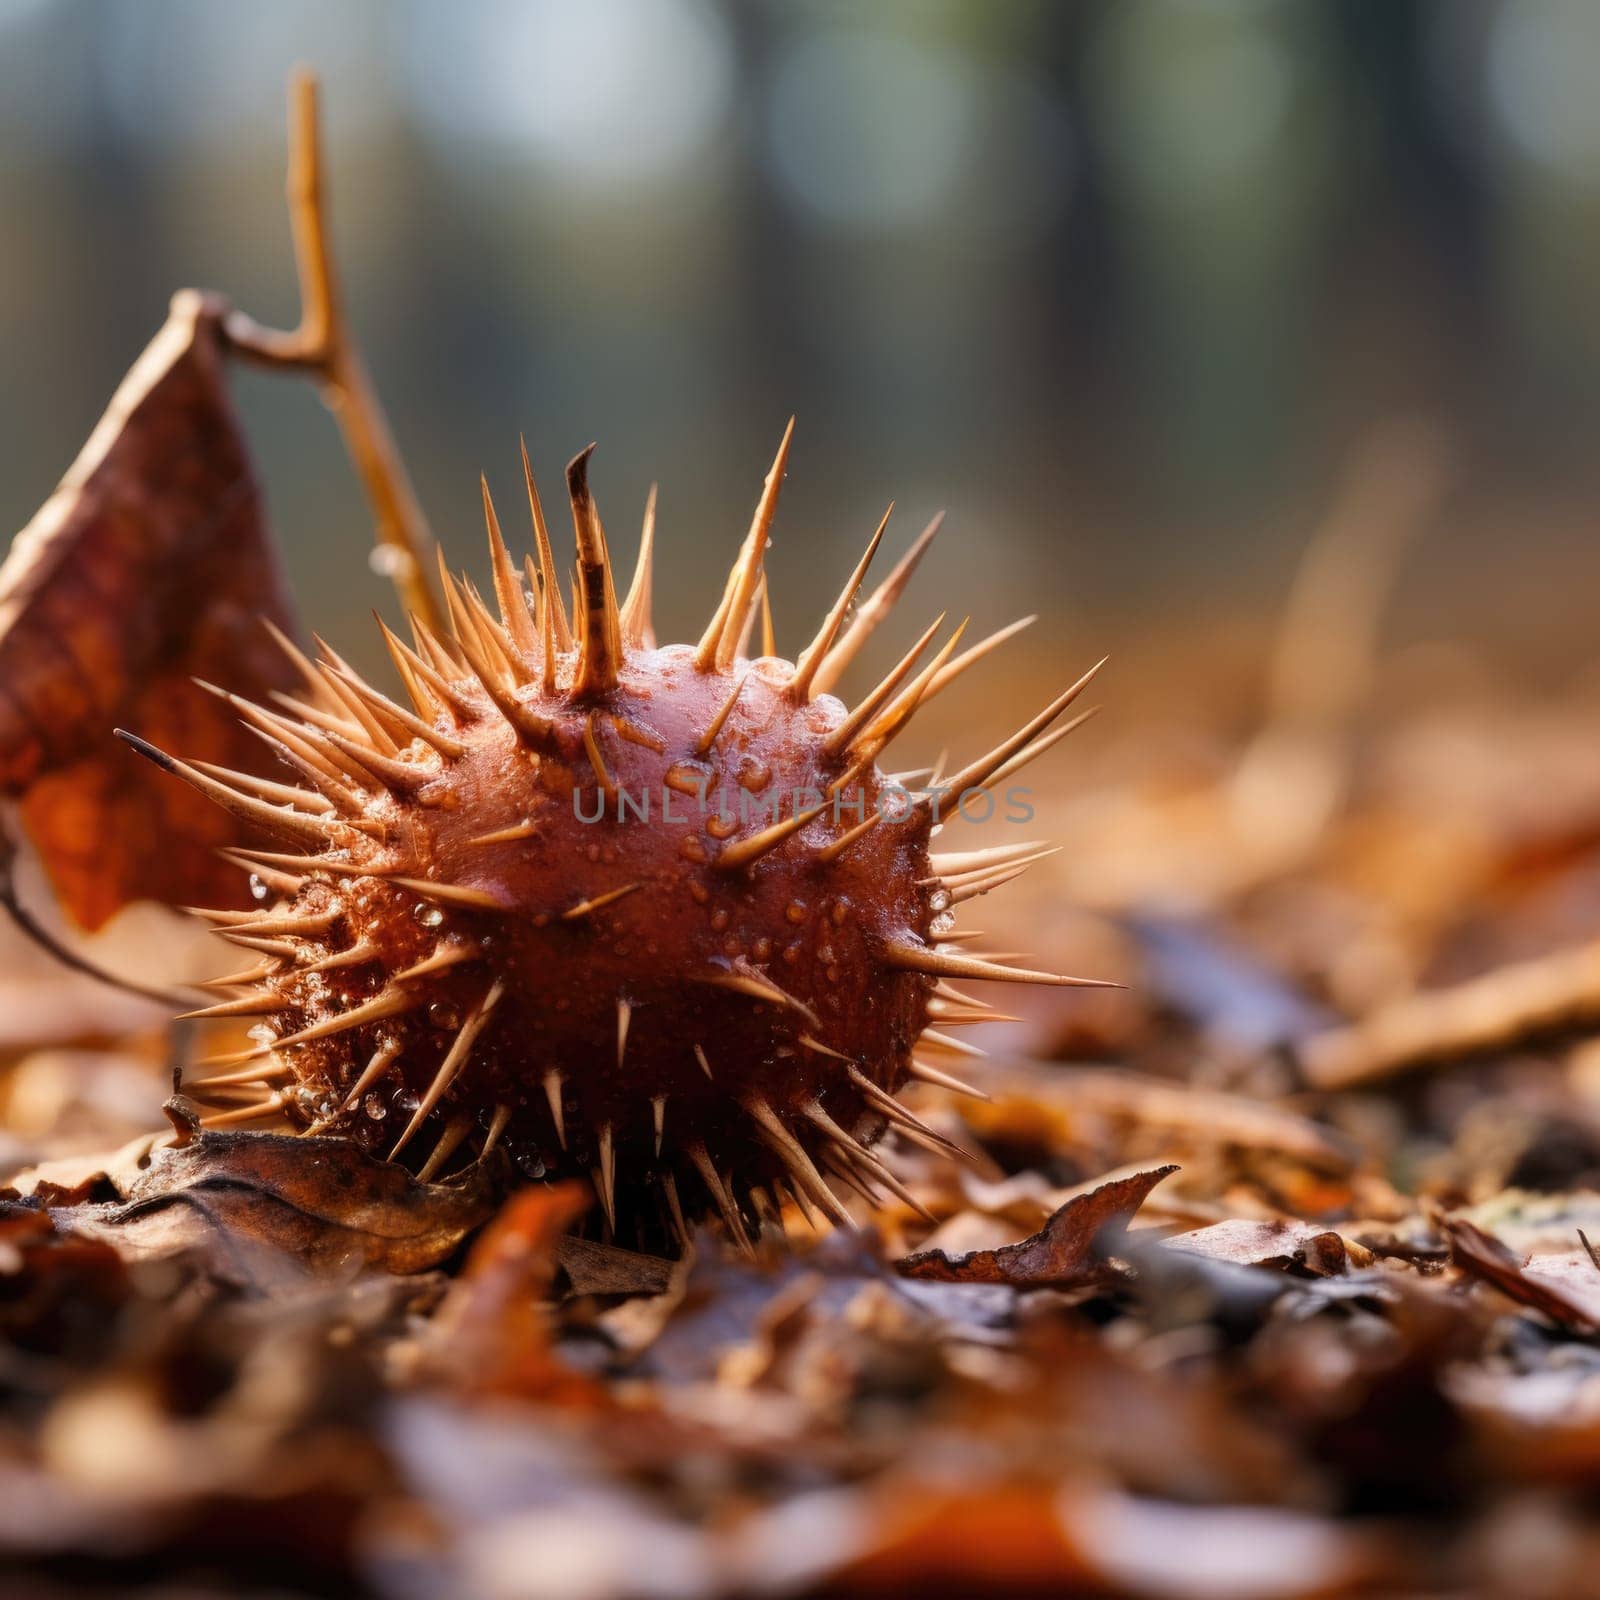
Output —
(492, 1335)
(147, 567)
(1059, 1255)
(1565, 1288)
(266, 1209)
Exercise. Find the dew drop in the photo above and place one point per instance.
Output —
(428, 915)
(442, 1014)
(258, 890)
(943, 923)
(374, 1107)
(390, 561)
(939, 900)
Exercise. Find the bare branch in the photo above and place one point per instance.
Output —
(322, 346)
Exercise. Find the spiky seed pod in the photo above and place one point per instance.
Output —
(644, 914)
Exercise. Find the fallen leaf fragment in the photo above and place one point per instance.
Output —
(492, 1335)
(595, 1268)
(1059, 1255)
(1282, 1244)
(266, 1209)
(1565, 1288)
(147, 567)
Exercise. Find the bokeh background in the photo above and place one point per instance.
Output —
(1121, 285)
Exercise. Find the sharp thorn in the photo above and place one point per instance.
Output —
(985, 766)
(800, 685)
(636, 628)
(451, 955)
(741, 852)
(841, 738)
(553, 1083)
(719, 641)
(596, 902)
(451, 1065)
(704, 743)
(283, 823)
(449, 1141)
(386, 1003)
(550, 589)
(946, 963)
(874, 610)
(450, 894)
(376, 1068)
(497, 1127)
(794, 1156)
(837, 847)
(606, 1186)
(513, 603)
(591, 746)
(600, 648)
(759, 988)
(943, 1080)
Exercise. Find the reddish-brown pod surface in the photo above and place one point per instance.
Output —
(652, 915)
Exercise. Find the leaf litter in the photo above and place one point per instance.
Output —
(1269, 1275)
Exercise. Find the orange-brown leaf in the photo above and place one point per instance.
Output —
(1059, 1255)
(148, 566)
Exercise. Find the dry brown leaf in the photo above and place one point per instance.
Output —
(265, 1209)
(148, 566)
(492, 1335)
(1058, 1255)
(1249, 1243)
(595, 1268)
(1565, 1288)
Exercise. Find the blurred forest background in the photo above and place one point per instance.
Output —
(1119, 284)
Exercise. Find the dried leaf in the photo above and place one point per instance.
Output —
(1058, 1256)
(492, 1333)
(595, 1268)
(265, 1209)
(1565, 1288)
(148, 566)
(1280, 1244)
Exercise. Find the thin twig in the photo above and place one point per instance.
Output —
(322, 346)
(51, 945)
(1589, 1250)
